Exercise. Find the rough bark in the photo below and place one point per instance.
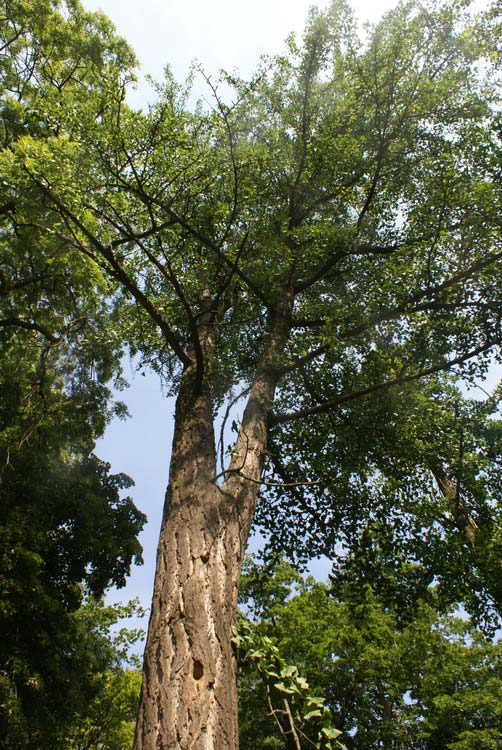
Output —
(189, 693)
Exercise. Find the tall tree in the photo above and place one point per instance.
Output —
(108, 722)
(329, 238)
(65, 528)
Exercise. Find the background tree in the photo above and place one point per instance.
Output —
(63, 525)
(434, 682)
(65, 528)
(108, 722)
(329, 238)
(424, 510)
(101, 682)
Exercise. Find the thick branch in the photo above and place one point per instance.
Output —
(302, 361)
(30, 326)
(321, 272)
(221, 254)
(118, 272)
(450, 489)
(344, 398)
(7, 286)
(399, 312)
(330, 263)
(374, 183)
(133, 237)
(165, 271)
(250, 447)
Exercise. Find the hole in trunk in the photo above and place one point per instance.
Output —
(198, 669)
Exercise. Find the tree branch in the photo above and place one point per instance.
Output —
(344, 398)
(204, 241)
(402, 310)
(330, 263)
(30, 326)
(118, 273)
(224, 111)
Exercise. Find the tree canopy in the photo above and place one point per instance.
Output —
(321, 244)
(66, 530)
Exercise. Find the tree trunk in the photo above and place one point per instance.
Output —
(189, 692)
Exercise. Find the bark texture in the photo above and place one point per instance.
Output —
(189, 692)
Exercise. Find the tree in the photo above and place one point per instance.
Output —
(100, 677)
(325, 245)
(109, 720)
(65, 527)
(434, 682)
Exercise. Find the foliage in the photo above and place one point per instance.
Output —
(62, 523)
(328, 242)
(291, 703)
(108, 722)
(435, 682)
(64, 526)
(409, 112)
(50, 693)
(388, 500)
(54, 305)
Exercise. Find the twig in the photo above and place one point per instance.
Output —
(267, 484)
(292, 728)
(235, 471)
(224, 422)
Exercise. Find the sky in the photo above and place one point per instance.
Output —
(218, 34)
(228, 34)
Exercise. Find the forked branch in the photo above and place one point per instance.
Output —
(117, 271)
